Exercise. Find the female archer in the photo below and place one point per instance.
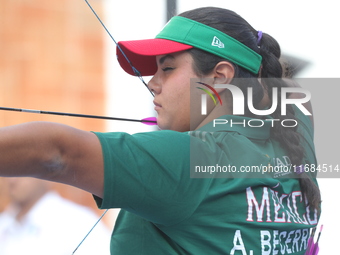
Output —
(191, 188)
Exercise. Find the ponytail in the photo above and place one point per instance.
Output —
(289, 138)
(235, 26)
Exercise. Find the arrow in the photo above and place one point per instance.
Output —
(146, 121)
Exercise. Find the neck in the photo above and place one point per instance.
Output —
(218, 110)
(214, 114)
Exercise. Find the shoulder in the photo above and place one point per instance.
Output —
(155, 142)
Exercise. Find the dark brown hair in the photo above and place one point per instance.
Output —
(235, 26)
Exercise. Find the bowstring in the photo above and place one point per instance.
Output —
(136, 72)
(90, 231)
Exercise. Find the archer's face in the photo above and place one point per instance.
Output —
(171, 85)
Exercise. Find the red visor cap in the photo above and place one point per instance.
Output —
(142, 54)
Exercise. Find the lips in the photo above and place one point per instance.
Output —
(157, 105)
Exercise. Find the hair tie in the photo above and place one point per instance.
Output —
(259, 37)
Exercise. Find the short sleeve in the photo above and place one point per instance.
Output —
(148, 174)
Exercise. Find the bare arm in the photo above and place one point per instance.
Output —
(53, 152)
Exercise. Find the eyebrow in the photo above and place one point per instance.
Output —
(162, 59)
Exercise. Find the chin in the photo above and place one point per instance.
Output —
(165, 124)
(161, 125)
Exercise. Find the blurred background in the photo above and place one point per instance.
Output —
(51, 58)
(55, 56)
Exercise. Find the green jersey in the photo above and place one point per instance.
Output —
(223, 189)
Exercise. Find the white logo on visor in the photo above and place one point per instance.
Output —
(217, 42)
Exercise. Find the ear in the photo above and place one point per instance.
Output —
(223, 72)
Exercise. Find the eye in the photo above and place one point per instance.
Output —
(167, 69)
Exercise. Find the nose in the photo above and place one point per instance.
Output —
(154, 85)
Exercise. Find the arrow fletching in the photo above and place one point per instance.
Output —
(149, 121)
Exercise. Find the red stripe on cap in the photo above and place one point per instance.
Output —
(142, 54)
